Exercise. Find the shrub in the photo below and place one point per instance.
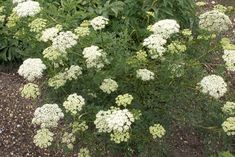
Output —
(122, 80)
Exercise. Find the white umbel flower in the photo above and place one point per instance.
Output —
(74, 103)
(229, 108)
(229, 126)
(108, 86)
(165, 28)
(115, 120)
(58, 80)
(119, 137)
(95, 57)
(43, 138)
(124, 100)
(32, 69)
(145, 74)
(229, 58)
(27, 8)
(30, 90)
(64, 40)
(99, 22)
(157, 130)
(214, 21)
(213, 85)
(84, 152)
(73, 72)
(49, 34)
(47, 116)
(68, 139)
(156, 44)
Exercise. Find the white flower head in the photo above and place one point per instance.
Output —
(37, 25)
(165, 28)
(68, 139)
(64, 40)
(82, 31)
(32, 69)
(156, 44)
(27, 8)
(30, 90)
(114, 120)
(119, 137)
(95, 57)
(84, 152)
(229, 108)
(214, 21)
(47, 116)
(73, 72)
(58, 80)
(74, 103)
(124, 100)
(213, 85)
(229, 58)
(157, 130)
(99, 22)
(229, 126)
(108, 86)
(49, 34)
(43, 138)
(145, 74)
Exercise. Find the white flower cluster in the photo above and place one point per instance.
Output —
(145, 74)
(43, 138)
(30, 90)
(84, 152)
(108, 86)
(57, 81)
(62, 77)
(74, 103)
(229, 126)
(165, 28)
(95, 57)
(229, 108)
(68, 139)
(214, 21)
(31, 69)
(157, 130)
(213, 85)
(37, 25)
(27, 8)
(99, 22)
(49, 34)
(155, 42)
(73, 72)
(64, 40)
(47, 116)
(124, 100)
(229, 58)
(55, 56)
(82, 31)
(114, 119)
(119, 137)
(162, 31)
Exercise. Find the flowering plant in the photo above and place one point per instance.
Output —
(117, 89)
